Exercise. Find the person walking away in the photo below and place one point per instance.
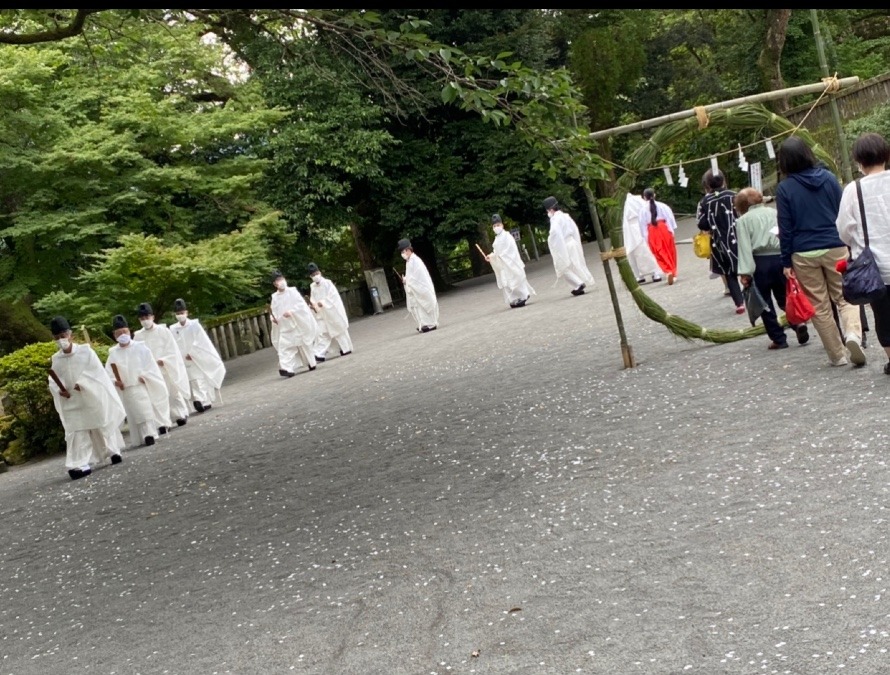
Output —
(872, 153)
(294, 328)
(808, 201)
(86, 402)
(657, 225)
(760, 262)
(203, 364)
(716, 214)
(140, 383)
(564, 242)
(420, 293)
(330, 312)
(509, 269)
(640, 257)
(158, 338)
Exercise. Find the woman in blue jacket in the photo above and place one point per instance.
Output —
(808, 200)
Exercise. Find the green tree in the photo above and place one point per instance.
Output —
(143, 132)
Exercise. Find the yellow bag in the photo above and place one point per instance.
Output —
(701, 245)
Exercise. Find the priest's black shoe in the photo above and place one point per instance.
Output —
(283, 372)
(207, 407)
(199, 406)
(319, 359)
(116, 459)
(181, 422)
(312, 367)
(162, 431)
(149, 440)
(342, 353)
(427, 329)
(579, 290)
(79, 473)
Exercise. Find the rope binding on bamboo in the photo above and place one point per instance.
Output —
(701, 115)
(614, 253)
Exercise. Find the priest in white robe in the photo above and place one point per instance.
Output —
(159, 339)
(565, 247)
(330, 312)
(140, 384)
(640, 257)
(203, 363)
(294, 328)
(420, 294)
(88, 406)
(508, 266)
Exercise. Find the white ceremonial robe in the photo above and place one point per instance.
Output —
(640, 257)
(333, 322)
(145, 396)
(203, 364)
(93, 415)
(163, 348)
(565, 247)
(293, 336)
(420, 293)
(509, 269)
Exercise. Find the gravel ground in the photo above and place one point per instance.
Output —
(497, 496)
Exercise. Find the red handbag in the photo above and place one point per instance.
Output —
(798, 308)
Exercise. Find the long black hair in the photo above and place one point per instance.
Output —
(649, 196)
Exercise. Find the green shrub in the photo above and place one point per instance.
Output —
(36, 426)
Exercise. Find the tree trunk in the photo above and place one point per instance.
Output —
(427, 253)
(365, 255)
(770, 57)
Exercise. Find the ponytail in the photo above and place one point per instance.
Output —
(649, 196)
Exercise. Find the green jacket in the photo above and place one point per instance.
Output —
(755, 235)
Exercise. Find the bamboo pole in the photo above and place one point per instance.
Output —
(627, 352)
(835, 113)
(755, 98)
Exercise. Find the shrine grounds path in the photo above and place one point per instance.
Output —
(497, 496)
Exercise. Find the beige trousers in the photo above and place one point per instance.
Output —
(821, 283)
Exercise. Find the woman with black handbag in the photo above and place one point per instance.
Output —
(866, 222)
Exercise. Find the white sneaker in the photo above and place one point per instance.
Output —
(842, 361)
(857, 356)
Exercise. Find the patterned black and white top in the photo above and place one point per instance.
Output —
(716, 214)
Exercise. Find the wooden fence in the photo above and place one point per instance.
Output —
(852, 102)
(251, 330)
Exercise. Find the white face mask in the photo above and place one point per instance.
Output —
(317, 279)
(181, 318)
(405, 255)
(123, 339)
(147, 323)
(63, 343)
(498, 229)
(281, 284)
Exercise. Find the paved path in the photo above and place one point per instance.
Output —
(499, 487)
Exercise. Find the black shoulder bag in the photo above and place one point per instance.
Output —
(861, 281)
